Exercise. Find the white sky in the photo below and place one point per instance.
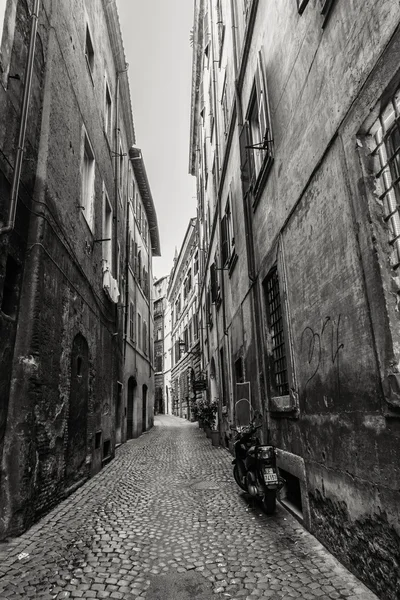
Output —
(156, 40)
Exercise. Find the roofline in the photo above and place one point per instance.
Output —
(136, 158)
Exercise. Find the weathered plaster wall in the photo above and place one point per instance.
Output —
(61, 291)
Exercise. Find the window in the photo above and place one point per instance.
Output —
(144, 337)
(108, 113)
(280, 381)
(211, 109)
(385, 138)
(3, 4)
(139, 266)
(246, 8)
(206, 34)
(259, 122)
(159, 333)
(9, 303)
(178, 308)
(221, 26)
(107, 231)
(8, 12)
(88, 171)
(239, 374)
(326, 6)
(121, 168)
(196, 264)
(227, 237)
(186, 339)
(132, 321)
(187, 285)
(205, 164)
(89, 52)
(224, 104)
(159, 360)
(301, 4)
(139, 331)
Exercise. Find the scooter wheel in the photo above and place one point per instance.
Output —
(237, 478)
(269, 502)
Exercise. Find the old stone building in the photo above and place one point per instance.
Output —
(67, 176)
(142, 244)
(182, 296)
(161, 346)
(294, 130)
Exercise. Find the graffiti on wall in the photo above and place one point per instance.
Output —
(323, 347)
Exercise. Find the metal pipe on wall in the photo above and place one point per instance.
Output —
(24, 121)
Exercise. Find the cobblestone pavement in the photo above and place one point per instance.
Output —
(165, 521)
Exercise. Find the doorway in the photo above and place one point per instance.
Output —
(130, 408)
(118, 410)
(78, 410)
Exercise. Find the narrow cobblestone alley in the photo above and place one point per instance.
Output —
(166, 521)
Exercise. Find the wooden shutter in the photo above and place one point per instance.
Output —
(214, 283)
(263, 105)
(224, 241)
(246, 158)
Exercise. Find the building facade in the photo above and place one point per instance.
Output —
(182, 297)
(293, 127)
(142, 243)
(161, 346)
(65, 171)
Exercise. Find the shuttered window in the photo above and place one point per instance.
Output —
(256, 143)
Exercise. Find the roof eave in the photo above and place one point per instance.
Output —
(136, 158)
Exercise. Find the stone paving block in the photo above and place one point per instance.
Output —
(168, 504)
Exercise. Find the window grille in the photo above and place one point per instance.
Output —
(275, 317)
(386, 147)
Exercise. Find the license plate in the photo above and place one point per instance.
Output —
(270, 475)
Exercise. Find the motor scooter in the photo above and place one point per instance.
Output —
(254, 465)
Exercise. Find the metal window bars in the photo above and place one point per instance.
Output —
(385, 134)
(278, 339)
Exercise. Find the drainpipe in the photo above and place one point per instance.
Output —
(248, 226)
(24, 120)
(127, 306)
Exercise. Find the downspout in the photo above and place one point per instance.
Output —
(116, 180)
(256, 301)
(24, 120)
(127, 307)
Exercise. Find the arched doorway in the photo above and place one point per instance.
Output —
(78, 410)
(144, 409)
(130, 408)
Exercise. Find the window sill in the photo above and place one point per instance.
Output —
(284, 406)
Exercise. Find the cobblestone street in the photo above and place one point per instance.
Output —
(166, 521)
